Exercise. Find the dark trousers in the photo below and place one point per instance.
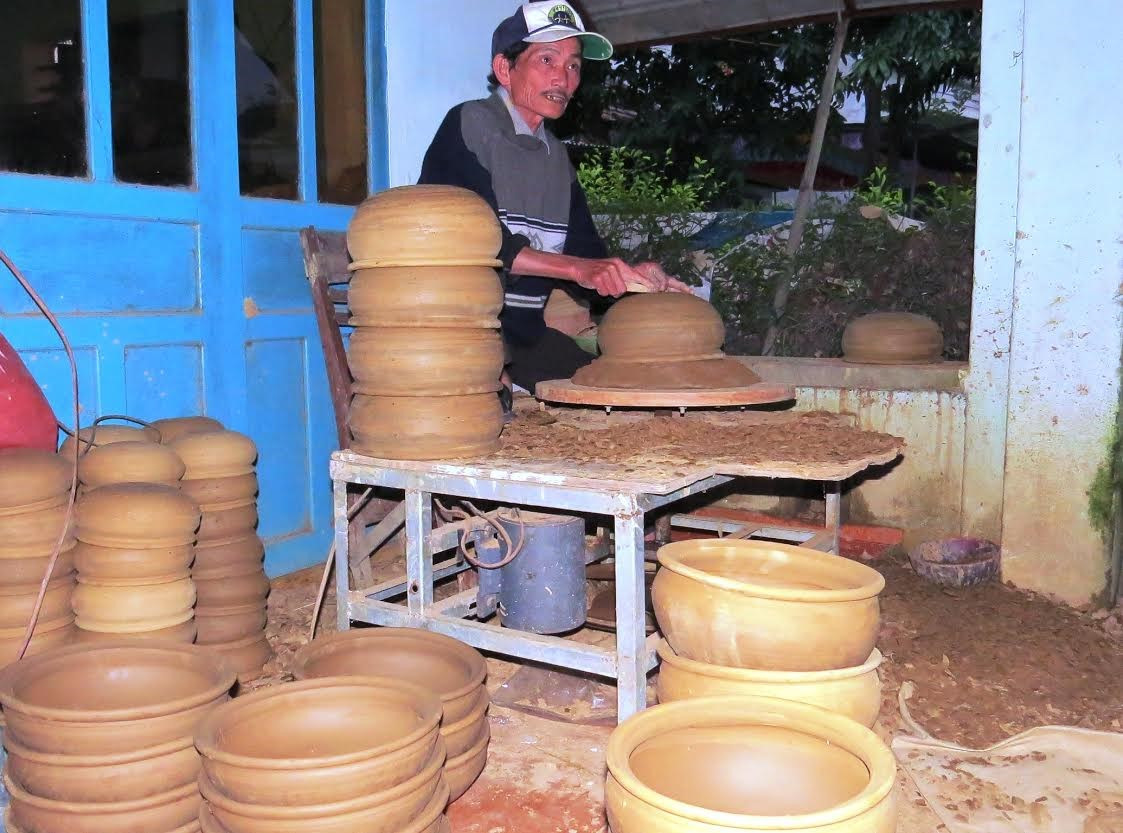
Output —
(554, 356)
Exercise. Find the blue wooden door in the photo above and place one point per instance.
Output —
(172, 262)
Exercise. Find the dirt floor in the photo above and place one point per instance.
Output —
(987, 662)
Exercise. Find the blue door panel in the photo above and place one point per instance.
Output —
(273, 270)
(164, 380)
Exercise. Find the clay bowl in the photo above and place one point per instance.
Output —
(853, 692)
(455, 672)
(133, 515)
(94, 562)
(104, 434)
(238, 584)
(165, 811)
(129, 608)
(892, 338)
(17, 601)
(173, 428)
(724, 764)
(213, 493)
(699, 374)
(426, 296)
(757, 604)
(36, 531)
(20, 571)
(320, 741)
(461, 735)
(957, 562)
(104, 778)
(49, 634)
(416, 224)
(183, 633)
(247, 549)
(216, 454)
(229, 623)
(130, 462)
(463, 770)
(246, 656)
(425, 361)
(31, 476)
(225, 525)
(426, 427)
(661, 326)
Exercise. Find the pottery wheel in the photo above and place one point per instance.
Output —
(566, 392)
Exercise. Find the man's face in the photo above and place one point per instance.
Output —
(542, 80)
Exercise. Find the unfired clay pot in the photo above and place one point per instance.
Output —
(426, 296)
(768, 606)
(248, 549)
(17, 601)
(461, 735)
(724, 764)
(700, 374)
(892, 338)
(230, 622)
(127, 609)
(225, 525)
(130, 462)
(463, 770)
(425, 361)
(853, 692)
(238, 584)
(49, 634)
(213, 493)
(455, 672)
(105, 434)
(35, 532)
(216, 454)
(426, 427)
(101, 563)
(19, 571)
(173, 428)
(247, 656)
(184, 633)
(133, 515)
(31, 476)
(417, 224)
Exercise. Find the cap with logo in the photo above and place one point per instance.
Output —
(545, 22)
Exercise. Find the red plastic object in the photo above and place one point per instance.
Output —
(26, 418)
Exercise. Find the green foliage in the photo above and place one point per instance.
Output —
(876, 191)
(1105, 483)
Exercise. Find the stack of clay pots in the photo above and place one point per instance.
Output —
(34, 492)
(229, 572)
(99, 738)
(450, 669)
(425, 353)
(105, 434)
(134, 555)
(172, 428)
(333, 755)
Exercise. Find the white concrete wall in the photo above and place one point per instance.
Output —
(437, 55)
(1046, 329)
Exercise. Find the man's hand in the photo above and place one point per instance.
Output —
(607, 276)
(653, 276)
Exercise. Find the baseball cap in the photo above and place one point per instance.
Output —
(545, 22)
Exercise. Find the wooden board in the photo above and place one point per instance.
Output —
(564, 391)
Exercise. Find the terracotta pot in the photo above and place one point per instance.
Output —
(246, 656)
(49, 634)
(892, 338)
(213, 493)
(699, 374)
(98, 563)
(31, 476)
(104, 778)
(853, 692)
(239, 584)
(34, 533)
(229, 623)
(173, 428)
(416, 224)
(660, 325)
(11, 827)
(135, 515)
(462, 771)
(426, 427)
(455, 672)
(17, 601)
(757, 604)
(104, 434)
(130, 462)
(225, 525)
(426, 296)
(19, 571)
(183, 633)
(43, 550)
(425, 361)
(166, 811)
(216, 454)
(144, 607)
(210, 555)
(463, 734)
(724, 764)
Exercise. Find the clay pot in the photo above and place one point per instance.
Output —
(216, 454)
(20, 571)
(130, 462)
(238, 584)
(426, 296)
(455, 672)
(701, 374)
(660, 325)
(17, 601)
(417, 224)
(210, 555)
(128, 609)
(165, 811)
(104, 778)
(853, 692)
(462, 771)
(225, 525)
(229, 623)
(104, 434)
(246, 656)
(426, 427)
(35, 532)
(183, 633)
(463, 734)
(112, 697)
(173, 428)
(746, 764)
(130, 515)
(425, 361)
(105, 563)
(892, 338)
(49, 634)
(213, 493)
(31, 476)
(757, 604)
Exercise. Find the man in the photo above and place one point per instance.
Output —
(500, 148)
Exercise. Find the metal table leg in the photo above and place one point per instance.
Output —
(833, 512)
(419, 561)
(342, 567)
(631, 654)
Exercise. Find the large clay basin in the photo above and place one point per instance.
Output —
(455, 672)
(17, 601)
(246, 549)
(215, 454)
(112, 697)
(229, 623)
(133, 515)
(30, 477)
(237, 584)
(126, 608)
(212, 493)
(463, 770)
(320, 741)
(35, 531)
(426, 427)
(461, 735)
(130, 462)
(725, 764)
(853, 692)
(225, 525)
(425, 361)
(426, 296)
(100, 778)
(173, 428)
(757, 604)
(94, 562)
(104, 434)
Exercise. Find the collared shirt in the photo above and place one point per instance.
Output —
(521, 127)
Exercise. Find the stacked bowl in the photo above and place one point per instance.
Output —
(99, 738)
(229, 571)
(34, 492)
(102, 434)
(425, 354)
(172, 428)
(448, 668)
(333, 755)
